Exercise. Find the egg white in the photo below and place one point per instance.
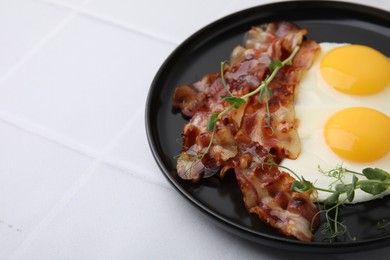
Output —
(316, 102)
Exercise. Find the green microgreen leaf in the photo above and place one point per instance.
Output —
(309, 186)
(351, 192)
(302, 186)
(354, 181)
(236, 102)
(297, 186)
(374, 174)
(332, 199)
(350, 195)
(374, 188)
(212, 122)
(342, 188)
(346, 188)
(387, 174)
(274, 64)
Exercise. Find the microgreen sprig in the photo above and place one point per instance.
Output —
(236, 102)
(377, 181)
(263, 90)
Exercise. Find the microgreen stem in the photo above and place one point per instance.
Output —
(223, 78)
(336, 217)
(236, 102)
(288, 169)
(210, 143)
(227, 109)
(322, 189)
(264, 84)
(377, 181)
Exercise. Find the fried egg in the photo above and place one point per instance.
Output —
(342, 109)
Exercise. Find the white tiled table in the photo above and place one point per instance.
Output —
(77, 178)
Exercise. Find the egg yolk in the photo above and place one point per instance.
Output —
(358, 134)
(356, 70)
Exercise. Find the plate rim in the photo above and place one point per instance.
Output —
(290, 244)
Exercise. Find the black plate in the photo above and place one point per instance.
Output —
(201, 54)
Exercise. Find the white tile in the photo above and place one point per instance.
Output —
(239, 5)
(174, 20)
(116, 216)
(105, 221)
(34, 175)
(85, 83)
(23, 23)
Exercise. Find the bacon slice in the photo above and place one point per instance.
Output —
(196, 138)
(282, 134)
(267, 191)
(244, 139)
(199, 100)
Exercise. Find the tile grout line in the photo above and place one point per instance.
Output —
(106, 159)
(61, 204)
(48, 135)
(37, 46)
(55, 137)
(126, 26)
(70, 193)
(80, 9)
(122, 132)
(98, 158)
(27, 126)
(37, 129)
(66, 197)
(99, 17)
(61, 3)
(75, 146)
(132, 170)
(56, 209)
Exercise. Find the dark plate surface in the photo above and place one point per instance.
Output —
(221, 200)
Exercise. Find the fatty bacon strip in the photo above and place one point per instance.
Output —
(244, 139)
